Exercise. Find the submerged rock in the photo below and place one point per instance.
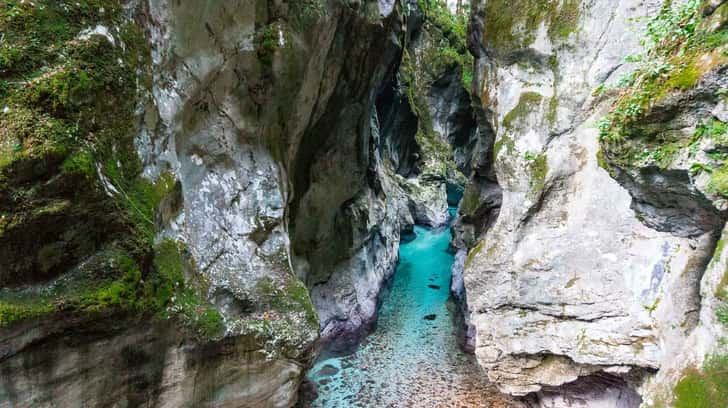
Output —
(328, 370)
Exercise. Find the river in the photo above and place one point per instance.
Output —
(412, 359)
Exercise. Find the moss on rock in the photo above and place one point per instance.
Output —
(706, 388)
(538, 168)
(470, 200)
(527, 103)
(679, 55)
(77, 216)
(442, 48)
(511, 25)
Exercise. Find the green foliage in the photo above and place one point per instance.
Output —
(697, 168)
(661, 155)
(122, 285)
(80, 162)
(137, 198)
(32, 31)
(209, 323)
(707, 388)
(712, 128)
(626, 80)
(121, 293)
(11, 312)
(675, 59)
(452, 49)
(651, 308)
(305, 13)
(267, 40)
(722, 315)
(168, 292)
(599, 90)
(452, 26)
(719, 181)
(672, 25)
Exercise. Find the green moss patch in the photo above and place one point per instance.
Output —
(473, 252)
(470, 201)
(706, 388)
(114, 280)
(292, 296)
(512, 25)
(505, 141)
(77, 218)
(538, 168)
(67, 109)
(527, 103)
(18, 311)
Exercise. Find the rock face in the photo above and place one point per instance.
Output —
(408, 122)
(149, 367)
(581, 274)
(271, 145)
(251, 199)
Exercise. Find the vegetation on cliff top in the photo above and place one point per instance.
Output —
(679, 51)
(442, 48)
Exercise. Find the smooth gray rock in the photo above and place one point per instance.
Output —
(567, 282)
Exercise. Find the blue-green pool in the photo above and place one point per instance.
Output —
(412, 359)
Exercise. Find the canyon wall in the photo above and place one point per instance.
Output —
(196, 194)
(586, 273)
(199, 194)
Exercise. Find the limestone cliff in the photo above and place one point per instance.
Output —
(193, 192)
(579, 275)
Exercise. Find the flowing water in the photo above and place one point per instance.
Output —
(412, 359)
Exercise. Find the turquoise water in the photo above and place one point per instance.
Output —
(412, 359)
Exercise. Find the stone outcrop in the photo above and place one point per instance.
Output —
(253, 198)
(574, 275)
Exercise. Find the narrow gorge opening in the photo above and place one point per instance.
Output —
(430, 140)
(413, 355)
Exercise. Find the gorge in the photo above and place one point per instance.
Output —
(412, 358)
(245, 203)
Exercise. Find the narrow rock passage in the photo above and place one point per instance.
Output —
(412, 359)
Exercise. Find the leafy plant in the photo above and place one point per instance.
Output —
(697, 168)
(530, 156)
